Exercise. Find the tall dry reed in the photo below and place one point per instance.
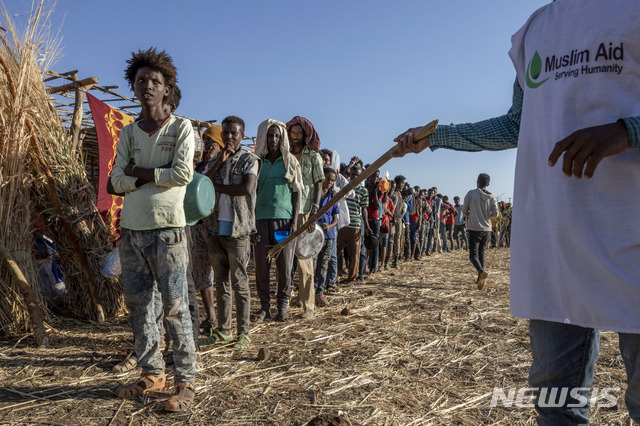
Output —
(42, 177)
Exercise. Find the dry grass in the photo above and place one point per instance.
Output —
(42, 177)
(17, 58)
(420, 346)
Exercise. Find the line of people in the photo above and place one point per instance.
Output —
(274, 189)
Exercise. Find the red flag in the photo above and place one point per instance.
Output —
(108, 121)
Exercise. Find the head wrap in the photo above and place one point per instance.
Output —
(293, 173)
(312, 140)
(215, 133)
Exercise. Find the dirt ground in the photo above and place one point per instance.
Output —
(421, 345)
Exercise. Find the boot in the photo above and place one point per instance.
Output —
(282, 315)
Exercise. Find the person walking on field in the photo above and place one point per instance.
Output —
(479, 207)
(570, 288)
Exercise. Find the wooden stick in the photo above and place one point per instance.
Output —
(73, 85)
(418, 134)
(76, 121)
(35, 311)
(117, 411)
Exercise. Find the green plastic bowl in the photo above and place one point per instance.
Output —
(199, 199)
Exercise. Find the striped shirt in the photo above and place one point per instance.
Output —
(500, 133)
(355, 204)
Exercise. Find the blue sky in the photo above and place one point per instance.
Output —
(361, 71)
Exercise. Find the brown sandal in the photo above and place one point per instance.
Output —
(128, 364)
(182, 399)
(147, 383)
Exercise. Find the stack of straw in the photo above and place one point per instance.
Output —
(39, 172)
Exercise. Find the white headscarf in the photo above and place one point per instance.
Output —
(293, 173)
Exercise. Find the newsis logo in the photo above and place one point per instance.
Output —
(574, 64)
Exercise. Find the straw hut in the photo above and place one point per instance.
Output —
(49, 179)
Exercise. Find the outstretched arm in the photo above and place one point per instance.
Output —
(491, 135)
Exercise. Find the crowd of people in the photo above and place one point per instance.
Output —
(570, 275)
(271, 189)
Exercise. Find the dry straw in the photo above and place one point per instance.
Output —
(41, 176)
(421, 346)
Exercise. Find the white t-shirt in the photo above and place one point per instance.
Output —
(575, 254)
(344, 218)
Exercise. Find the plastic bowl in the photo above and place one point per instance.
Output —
(308, 245)
(199, 199)
(370, 242)
(280, 236)
(110, 266)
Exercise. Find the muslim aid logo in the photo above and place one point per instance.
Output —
(533, 71)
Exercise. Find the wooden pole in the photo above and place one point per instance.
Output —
(73, 85)
(418, 134)
(35, 311)
(76, 121)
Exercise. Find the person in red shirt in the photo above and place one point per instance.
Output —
(447, 214)
(385, 225)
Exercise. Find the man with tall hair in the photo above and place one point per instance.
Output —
(232, 221)
(131, 361)
(154, 163)
(305, 144)
(570, 288)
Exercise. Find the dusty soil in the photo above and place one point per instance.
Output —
(420, 345)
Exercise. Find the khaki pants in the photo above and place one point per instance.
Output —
(351, 239)
(306, 287)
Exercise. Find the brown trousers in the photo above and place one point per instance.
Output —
(351, 239)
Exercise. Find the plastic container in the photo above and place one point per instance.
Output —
(371, 242)
(111, 267)
(384, 185)
(199, 199)
(309, 244)
(280, 236)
